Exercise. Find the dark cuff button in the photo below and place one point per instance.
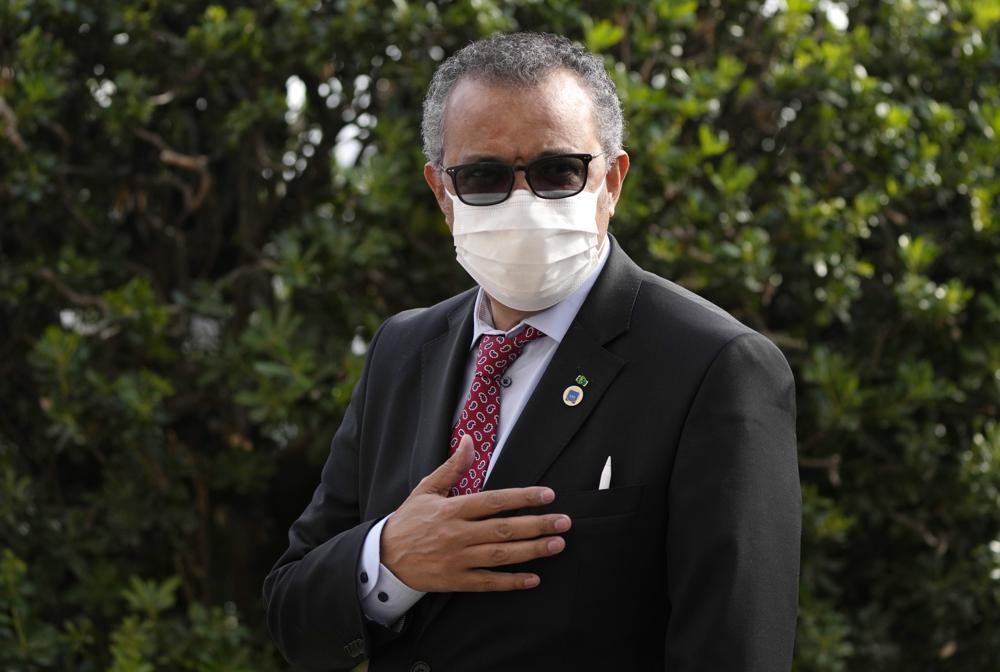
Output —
(382, 596)
(420, 666)
(364, 577)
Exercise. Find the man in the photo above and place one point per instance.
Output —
(575, 466)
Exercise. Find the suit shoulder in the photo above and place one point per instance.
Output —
(670, 318)
(410, 329)
(663, 304)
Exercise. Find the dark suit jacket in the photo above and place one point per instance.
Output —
(688, 562)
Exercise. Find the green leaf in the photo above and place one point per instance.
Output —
(682, 11)
(151, 598)
(602, 35)
(710, 143)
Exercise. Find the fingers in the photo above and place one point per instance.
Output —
(482, 581)
(515, 528)
(440, 480)
(513, 552)
(491, 502)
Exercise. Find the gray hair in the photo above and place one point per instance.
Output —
(525, 60)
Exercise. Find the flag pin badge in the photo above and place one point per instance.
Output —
(572, 395)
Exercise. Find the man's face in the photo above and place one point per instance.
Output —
(486, 122)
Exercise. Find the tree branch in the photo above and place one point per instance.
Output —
(830, 464)
(53, 279)
(10, 126)
(939, 542)
(196, 163)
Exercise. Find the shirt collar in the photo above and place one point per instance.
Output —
(553, 321)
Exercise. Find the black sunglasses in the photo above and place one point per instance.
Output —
(490, 182)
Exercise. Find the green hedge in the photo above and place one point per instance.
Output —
(190, 268)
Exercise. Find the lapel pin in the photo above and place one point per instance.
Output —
(572, 395)
(581, 380)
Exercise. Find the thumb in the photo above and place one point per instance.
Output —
(441, 479)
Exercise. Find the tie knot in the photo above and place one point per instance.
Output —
(497, 352)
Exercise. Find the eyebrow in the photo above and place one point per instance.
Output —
(556, 151)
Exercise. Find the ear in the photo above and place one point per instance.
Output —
(434, 178)
(614, 179)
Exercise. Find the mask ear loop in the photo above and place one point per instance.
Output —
(604, 186)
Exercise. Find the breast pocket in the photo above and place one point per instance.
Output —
(605, 544)
(596, 504)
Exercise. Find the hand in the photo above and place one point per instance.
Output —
(434, 543)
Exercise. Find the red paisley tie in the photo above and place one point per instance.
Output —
(481, 412)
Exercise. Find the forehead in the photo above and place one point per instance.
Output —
(510, 123)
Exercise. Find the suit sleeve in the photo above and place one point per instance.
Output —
(734, 521)
(311, 599)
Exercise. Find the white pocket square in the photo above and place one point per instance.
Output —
(605, 481)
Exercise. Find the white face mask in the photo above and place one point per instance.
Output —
(527, 252)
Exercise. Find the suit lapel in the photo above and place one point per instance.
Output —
(547, 424)
(442, 366)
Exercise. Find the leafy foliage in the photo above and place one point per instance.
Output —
(206, 209)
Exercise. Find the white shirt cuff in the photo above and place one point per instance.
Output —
(384, 598)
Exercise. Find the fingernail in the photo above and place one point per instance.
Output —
(554, 545)
(531, 582)
(546, 496)
(562, 524)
